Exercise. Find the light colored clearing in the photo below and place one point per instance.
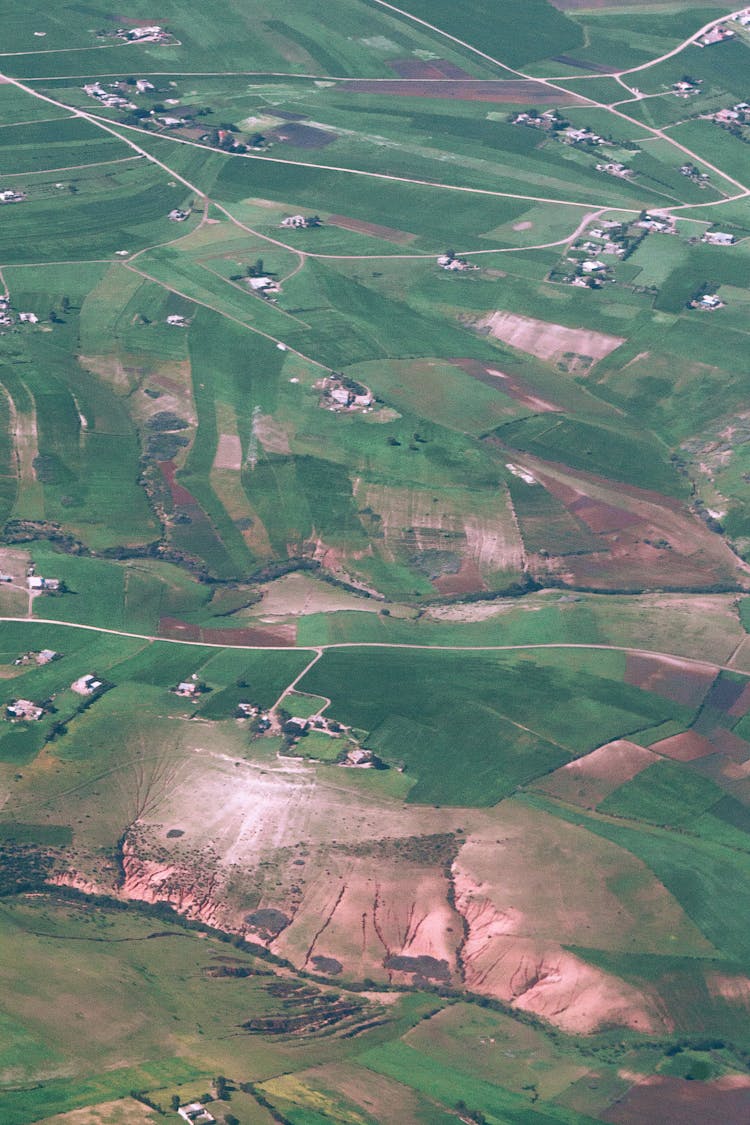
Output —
(271, 434)
(528, 885)
(372, 910)
(546, 340)
(227, 485)
(228, 452)
(299, 594)
(523, 226)
(539, 976)
(590, 779)
(736, 990)
(126, 1111)
(416, 519)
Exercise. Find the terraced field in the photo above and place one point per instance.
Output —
(374, 563)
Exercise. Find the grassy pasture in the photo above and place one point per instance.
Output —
(466, 724)
(666, 794)
(629, 457)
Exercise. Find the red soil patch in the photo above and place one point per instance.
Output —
(590, 779)
(178, 630)
(473, 90)
(730, 745)
(671, 679)
(602, 518)
(685, 747)
(468, 580)
(389, 234)
(742, 705)
(417, 68)
(508, 384)
(273, 636)
(676, 1101)
(303, 136)
(180, 495)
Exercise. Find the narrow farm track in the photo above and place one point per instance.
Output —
(319, 650)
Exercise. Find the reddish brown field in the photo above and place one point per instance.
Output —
(472, 90)
(602, 518)
(417, 68)
(672, 679)
(730, 745)
(588, 780)
(676, 1101)
(685, 747)
(468, 580)
(508, 384)
(180, 495)
(303, 136)
(273, 636)
(725, 694)
(742, 705)
(389, 234)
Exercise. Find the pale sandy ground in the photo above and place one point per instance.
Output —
(546, 340)
(125, 1111)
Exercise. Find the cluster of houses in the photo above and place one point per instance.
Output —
(547, 120)
(195, 1114)
(341, 393)
(738, 114)
(451, 261)
(24, 710)
(686, 87)
(177, 320)
(8, 195)
(86, 685)
(253, 711)
(718, 34)
(264, 286)
(657, 222)
(149, 34)
(37, 584)
(6, 315)
(352, 754)
(300, 222)
(707, 302)
(742, 18)
(694, 173)
(43, 657)
(615, 168)
(107, 97)
(719, 238)
(190, 689)
(178, 216)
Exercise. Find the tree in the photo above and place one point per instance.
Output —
(222, 1088)
(175, 1102)
(256, 270)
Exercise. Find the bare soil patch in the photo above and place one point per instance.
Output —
(228, 452)
(725, 694)
(302, 136)
(676, 1101)
(509, 384)
(388, 234)
(271, 636)
(271, 434)
(741, 706)
(418, 68)
(523, 226)
(730, 744)
(602, 518)
(468, 580)
(588, 780)
(672, 679)
(546, 340)
(516, 92)
(125, 1111)
(687, 747)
